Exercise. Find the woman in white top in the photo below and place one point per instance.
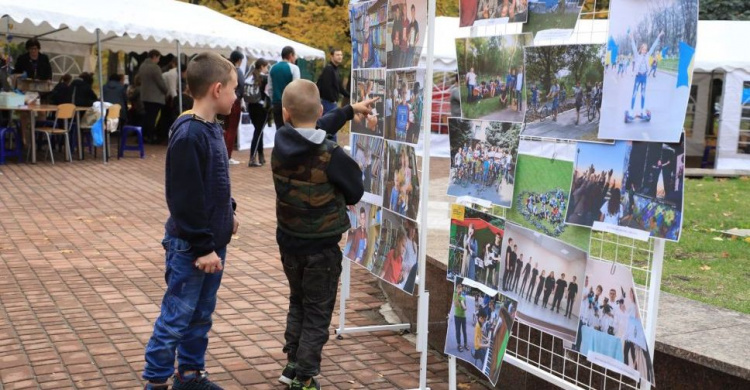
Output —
(612, 211)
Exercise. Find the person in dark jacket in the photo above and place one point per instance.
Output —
(83, 93)
(315, 180)
(35, 64)
(549, 287)
(258, 105)
(232, 122)
(200, 226)
(63, 92)
(153, 92)
(116, 93)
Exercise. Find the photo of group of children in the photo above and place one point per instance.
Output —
(491, 315)
(564, 85)
(368, 153)
(489, 12)
(541, 193)
(363, 238)
(368, 84)
(637, 185)
(542, 274)
(552, 19)
(492, 77)
(402, 180)
(368, 30)
(647, 82)
(395, 259)
(476, 240)
(407, 25)
(610, 332)
(404, 105)
(483, 159)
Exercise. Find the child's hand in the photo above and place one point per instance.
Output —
(209, 263)
(365, 107)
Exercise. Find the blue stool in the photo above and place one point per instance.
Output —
(14, 152)
(126, 130)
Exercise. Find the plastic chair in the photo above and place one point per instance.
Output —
(126, 130)
(16, 151)
(64, 112)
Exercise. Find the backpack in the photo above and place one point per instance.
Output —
(253, 94)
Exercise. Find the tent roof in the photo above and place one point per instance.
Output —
(141, 25)
(718, 48)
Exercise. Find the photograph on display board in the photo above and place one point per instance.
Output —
(368, 84)
(397, 255)
(595, 9)
(490, 12)
(563, 90)
(446, 100)
(552, 19)
(368, 153)
(404, 104)
(610, 331)
(368, 30)
(483, 159)
(543, 275)
(491, 75)
(650, 51)
(363, 238)
(477, 236)
(633, 185)
(541, 193)
(402, 180)
(407, 26)
(479, 326)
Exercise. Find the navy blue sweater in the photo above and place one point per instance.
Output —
(342, 172)
(201, 209)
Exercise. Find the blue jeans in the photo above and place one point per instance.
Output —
(185, 317)
(328, 106)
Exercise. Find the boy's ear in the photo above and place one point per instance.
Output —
(215, 90)
(285, 115)
(320, 110)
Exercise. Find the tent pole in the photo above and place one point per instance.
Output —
(179, 78)
(101, 95)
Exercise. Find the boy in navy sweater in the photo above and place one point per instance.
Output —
(315, 180)
(200, 225)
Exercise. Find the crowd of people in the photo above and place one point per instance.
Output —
(546, 210)
(508, 89)
(594, 197)
(483, 166)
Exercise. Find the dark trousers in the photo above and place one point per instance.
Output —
(516, 276)
(531, 289)
(313, 280)
(569, 305)
(523, 284)
(231, 126)
(538, 293)
(258, 116)
(278, 119)
(556, 302)
(149, 119)
(507, 278)
(545, 299)
(460, 323)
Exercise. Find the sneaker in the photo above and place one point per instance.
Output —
(297, 385)
(196, 380)
(255, 164)
(233, 161)
(287, 376)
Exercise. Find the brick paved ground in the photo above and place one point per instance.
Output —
(81, 279)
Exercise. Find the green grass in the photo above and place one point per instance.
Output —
(537, 174)
(481, 108)
(540, 22)
(700, 266)
(669, 65)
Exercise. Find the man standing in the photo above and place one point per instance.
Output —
(519, 88)
(572, 291)
(559, 291)
(510, 264)
(281, 74)
(153, 95)
(526, 271)
(413, 36)
(329, 82)
(517, 272)
(471, 83)
(532, 283)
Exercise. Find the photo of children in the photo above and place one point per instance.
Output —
(402, 180)
(368, 153)
(610, 332)
(489, 12)
(637, 185)
(542, 274)
(368, 31)
(477, 238)
(396, 257)
(368, 84)
(491, 317)
(564, 91)
(483, 159)
(363, 238)
(552, 19)
(647, 87)
(404, 105)
(541, 193)
(407, 29)
(492, 78)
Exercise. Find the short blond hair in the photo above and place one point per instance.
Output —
(301, 99)
(206, 69)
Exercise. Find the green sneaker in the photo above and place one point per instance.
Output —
(287, 376)
(297, 385)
